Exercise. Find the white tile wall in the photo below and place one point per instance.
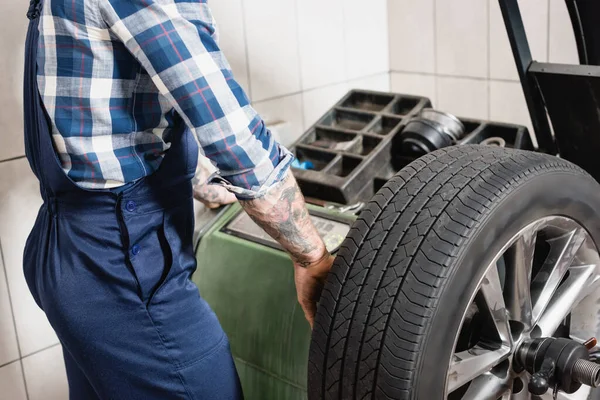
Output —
(12, 385)
(470, 41)
(416, 84)
(45, 375)
(317, 101)
(9, 350)
(380, 82)
(13, 19)
(272, 36)
(463, 97)
(562, 46)
(230, 24)
(535, 19)
(321, 41)
(412, 35)
(507, 103)
(366, 37)
(462, 37)
(19, 204)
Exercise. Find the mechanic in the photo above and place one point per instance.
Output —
(119, 97)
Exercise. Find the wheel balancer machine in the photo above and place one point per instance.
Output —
(347, 157)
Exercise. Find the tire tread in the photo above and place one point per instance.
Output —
(394, 261)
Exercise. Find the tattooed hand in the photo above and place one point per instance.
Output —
(283, 215)
(212, 196)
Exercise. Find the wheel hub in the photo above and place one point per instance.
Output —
(557, 363)
(525, 299)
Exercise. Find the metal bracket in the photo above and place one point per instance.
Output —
(523, 59)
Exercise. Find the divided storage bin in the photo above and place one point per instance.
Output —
(355, 147)
(351, 143)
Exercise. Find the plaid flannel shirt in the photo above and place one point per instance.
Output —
(116, 75)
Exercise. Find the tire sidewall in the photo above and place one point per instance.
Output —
(570, 194)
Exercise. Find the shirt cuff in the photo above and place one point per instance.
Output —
(277, 175)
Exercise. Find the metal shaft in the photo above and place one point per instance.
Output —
(586, 372)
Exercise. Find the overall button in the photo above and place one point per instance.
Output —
(130, 206)
(135, 249)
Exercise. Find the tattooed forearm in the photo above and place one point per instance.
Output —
(283, 215)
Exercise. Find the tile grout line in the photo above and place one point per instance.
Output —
(472, 78)
(320, 87)
(41, 350)
(24, 379)
(489, 61)
(346, 43)
(247, 51)
(281, 96)
(389, 50)
(20, 361)
(12, 311)
(435, 55)
(548, 33)
(12, 159)
(10, 301)
(10, 362)
(299, 53)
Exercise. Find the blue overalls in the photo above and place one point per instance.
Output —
(111, 269)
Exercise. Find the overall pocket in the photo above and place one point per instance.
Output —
(168, 252)
(177, 232)
(151, 257)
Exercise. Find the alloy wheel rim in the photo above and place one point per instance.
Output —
(532, 285)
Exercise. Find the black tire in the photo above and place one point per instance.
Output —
(402, 280)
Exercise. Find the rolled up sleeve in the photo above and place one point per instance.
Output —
(176, 43)
(273, 175)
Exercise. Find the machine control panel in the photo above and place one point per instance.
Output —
(332, 231)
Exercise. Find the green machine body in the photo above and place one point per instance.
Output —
(249, 283)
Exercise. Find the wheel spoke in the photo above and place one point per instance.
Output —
(574, 289)
(518, 289)
(523, 394)
(519, 261)
(560, 258)
(494, 299)
(471, 363)
(487, 386)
